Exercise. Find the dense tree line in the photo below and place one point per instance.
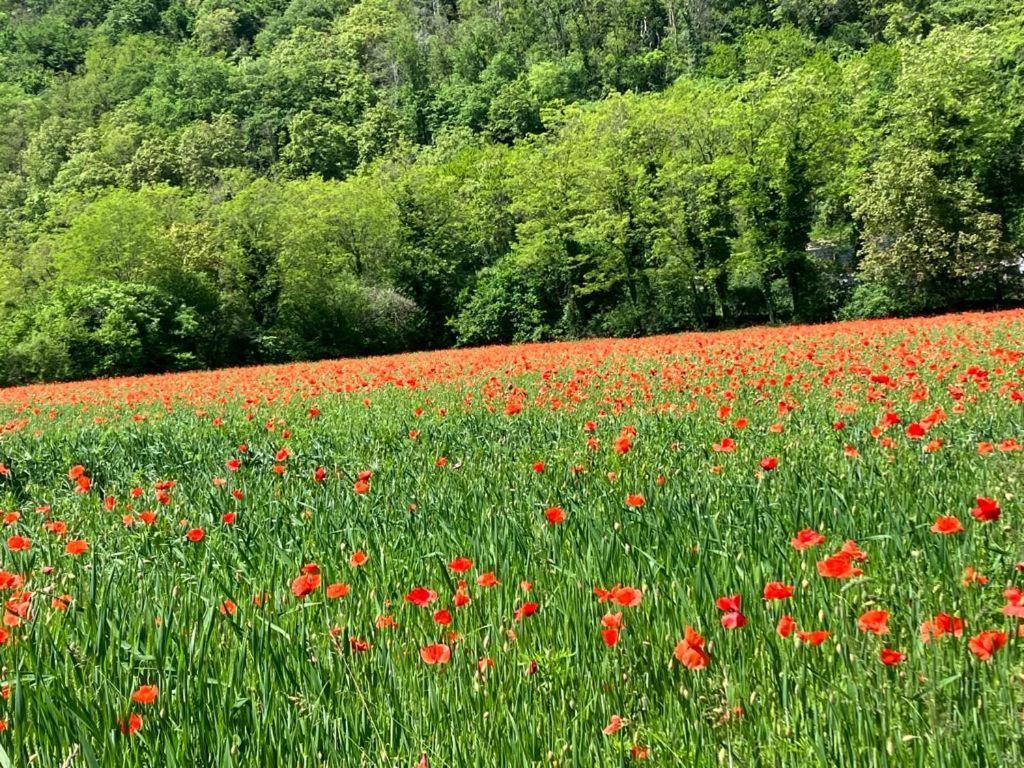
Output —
(191, 183)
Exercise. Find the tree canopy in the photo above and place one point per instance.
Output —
(189, 183)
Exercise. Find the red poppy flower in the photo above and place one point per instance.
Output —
(1014, 602)
(612, 620)
(915, 431)
(487, 580)
(337, 590)
(635, 500)
(690, 650)
(971, 576)
(460, 564)
(610, 637)
(786, 626)
(76, 547)
(614, 725)
(305, 584)
(941, 624)
(987, 510)
(195, 535)
(10, 580)
(947, 525)
(18, 543)
(443, 617)
(131, 725)
(145, 694)
(874, 622)
(438, 653)
(421, 596)
(734, 620)
(61, 603)
(526, 609)
(806, 539)
(817, 637)
(776, 590)
(629, 597)
(554, 515)
(890, 419)
(769, 463)
(358, 558)
(838, 566)
(729, 603)
(985, 644)
(850, 548)
(892, 657)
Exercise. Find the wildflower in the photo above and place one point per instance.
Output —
(145, 694)
(892, 657)
(947, 525)
(438, 653)
(985, 644)
(690, 650)
(806, 539)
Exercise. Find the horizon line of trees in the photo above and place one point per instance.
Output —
(198, 183)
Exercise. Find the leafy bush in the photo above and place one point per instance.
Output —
(502, 307)
(101, 330)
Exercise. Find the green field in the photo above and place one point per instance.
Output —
(878, 429)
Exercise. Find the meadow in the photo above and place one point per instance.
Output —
(772, 547)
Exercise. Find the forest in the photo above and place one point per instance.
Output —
(198, 183)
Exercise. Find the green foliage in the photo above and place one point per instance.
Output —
(502, 306)
(333, 177)
(928, 241)
(103, 329)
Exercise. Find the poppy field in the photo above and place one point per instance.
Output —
(782, 547)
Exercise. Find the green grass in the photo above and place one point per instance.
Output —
(272, 686)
